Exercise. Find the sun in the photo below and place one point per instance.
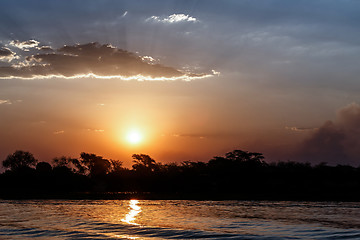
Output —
(134, 137)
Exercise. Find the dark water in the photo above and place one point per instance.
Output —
(123, 219)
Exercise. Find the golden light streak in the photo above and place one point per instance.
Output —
(125, 237)
(134, 210)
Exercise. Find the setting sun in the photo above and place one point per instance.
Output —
(134, 137)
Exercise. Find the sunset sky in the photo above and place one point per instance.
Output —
(181, 80)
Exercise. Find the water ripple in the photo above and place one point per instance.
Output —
(96, 219)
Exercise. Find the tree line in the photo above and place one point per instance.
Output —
(236, 175)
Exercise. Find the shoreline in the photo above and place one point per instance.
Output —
(173, 196)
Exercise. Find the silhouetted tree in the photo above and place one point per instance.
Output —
(237, 159)
(144, 163)
(245, 156)
(43, 167)
(19, 159)
(61, 161)
(194, 167)
(116, 165)
(73, 164)
(96, 165)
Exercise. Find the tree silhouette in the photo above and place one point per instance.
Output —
(144, 163)
(116, 165)
(19, 160)
(96, 165)
(43, 167)
(71, 163)
(237, 159)
(244, 156)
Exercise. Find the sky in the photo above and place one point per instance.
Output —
(191, 79)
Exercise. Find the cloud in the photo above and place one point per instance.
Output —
(209, 135)
(200, 136)
(300, 129)
(25, 44)
(174, 18)
(335, 142)
(93, 60)
(217, 73)
(44, 48)
(148, 59)
(7, 54)
(5, 101)
(95, 130)
(59, 132)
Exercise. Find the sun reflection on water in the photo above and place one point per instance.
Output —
(134, 210)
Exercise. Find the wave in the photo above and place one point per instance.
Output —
(135, 219)
(100, 230)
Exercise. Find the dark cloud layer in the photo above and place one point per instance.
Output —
(6, 55)
(89, 59)
(5, 52)
(335, 142)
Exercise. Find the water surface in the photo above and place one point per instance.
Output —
(171, 219)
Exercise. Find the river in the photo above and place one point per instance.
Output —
(177, 219)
